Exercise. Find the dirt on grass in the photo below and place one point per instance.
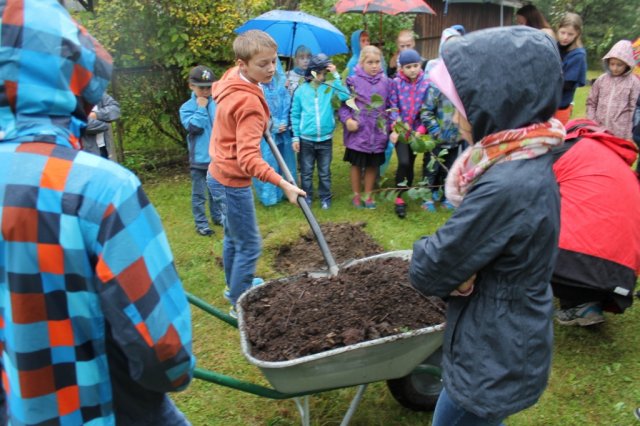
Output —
(300, 316)
(347, 241)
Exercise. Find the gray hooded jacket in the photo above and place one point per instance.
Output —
(498, 341)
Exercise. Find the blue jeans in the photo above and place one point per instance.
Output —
(242, 244)
(167, 414)
(199, 194)
(448, 413)
(310, 154)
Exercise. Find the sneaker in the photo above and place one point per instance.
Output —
(369, 204)
(636, 412)
(254, 283)
(584, 315)
(356, 201)
(205, 232)
(429, 206)
(233, 313)
(446, 204)
(325, 205)
(401, 210)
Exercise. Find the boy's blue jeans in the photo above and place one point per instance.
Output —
(167, 414)
(199, 194)
(448, 413)
(310, 154)
(242, 244)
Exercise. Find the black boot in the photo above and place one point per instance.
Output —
(401, 210)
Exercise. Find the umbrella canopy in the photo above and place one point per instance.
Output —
(291, 29)
(388, 7)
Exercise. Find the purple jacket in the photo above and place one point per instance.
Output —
(408, 97)
(370, 137)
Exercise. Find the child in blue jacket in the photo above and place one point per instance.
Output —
(196, 116)
(313, 123)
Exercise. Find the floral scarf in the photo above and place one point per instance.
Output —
(508, 145)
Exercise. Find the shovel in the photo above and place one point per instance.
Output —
(302, 202)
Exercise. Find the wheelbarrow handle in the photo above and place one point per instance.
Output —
(313, 223)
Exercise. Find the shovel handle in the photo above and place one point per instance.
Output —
(313, 223)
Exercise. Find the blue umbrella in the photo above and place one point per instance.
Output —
(291, 29)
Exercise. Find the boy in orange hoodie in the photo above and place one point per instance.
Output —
(242, 116)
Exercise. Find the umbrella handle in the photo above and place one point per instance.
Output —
(302, 202)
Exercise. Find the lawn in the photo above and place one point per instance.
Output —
(594, 381)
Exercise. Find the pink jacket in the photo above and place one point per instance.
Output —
(612, 100)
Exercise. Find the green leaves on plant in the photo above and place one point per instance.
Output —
(376, 101)
(351, 103)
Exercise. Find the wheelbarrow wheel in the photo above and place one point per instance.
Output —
(418, 391)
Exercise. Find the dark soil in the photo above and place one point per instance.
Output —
(346, 241)
(300, 316)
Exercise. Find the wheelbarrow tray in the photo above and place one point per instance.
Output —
(385, 358)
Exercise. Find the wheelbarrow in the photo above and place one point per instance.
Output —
(409, 362)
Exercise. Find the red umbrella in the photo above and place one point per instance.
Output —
(388, 7)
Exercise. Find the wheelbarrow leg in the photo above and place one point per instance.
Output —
(354, 405)
(303, 408)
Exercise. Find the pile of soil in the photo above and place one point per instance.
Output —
(346, 241)
(300, 316)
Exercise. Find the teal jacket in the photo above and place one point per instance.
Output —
(312, 115)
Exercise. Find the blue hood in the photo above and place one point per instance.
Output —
(51, 75)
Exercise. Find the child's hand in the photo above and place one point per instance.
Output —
(393, 137)
(295, 146)
(352, 125)
(282, 128)
(466, 288)
(93, 115)
(331, 68)
(201, 101)
(291, 191)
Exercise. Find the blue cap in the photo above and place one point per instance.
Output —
(459, 28)
(409, 56)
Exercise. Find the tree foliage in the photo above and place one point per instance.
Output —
(155, 43)
(605, 22)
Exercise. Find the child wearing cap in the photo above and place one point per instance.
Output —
(242, 117)
(196, 115)
(313, 123)
(408, 90)
(613, 96)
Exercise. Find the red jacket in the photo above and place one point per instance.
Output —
(600, 213)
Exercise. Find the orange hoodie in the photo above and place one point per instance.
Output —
(241, 118)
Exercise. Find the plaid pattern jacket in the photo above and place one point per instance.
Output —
(85, 266)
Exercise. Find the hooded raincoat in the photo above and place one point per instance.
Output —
(612, 99)
(95, 322)
(498, 340)
(600, 235)
(371, 136)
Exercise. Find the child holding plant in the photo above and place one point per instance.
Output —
(365, 126)
(313, 123)
(408, 90)
(301, 59)
(437, 119)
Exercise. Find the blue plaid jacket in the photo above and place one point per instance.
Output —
(90, 302)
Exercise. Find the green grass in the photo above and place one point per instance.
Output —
(595, 378)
